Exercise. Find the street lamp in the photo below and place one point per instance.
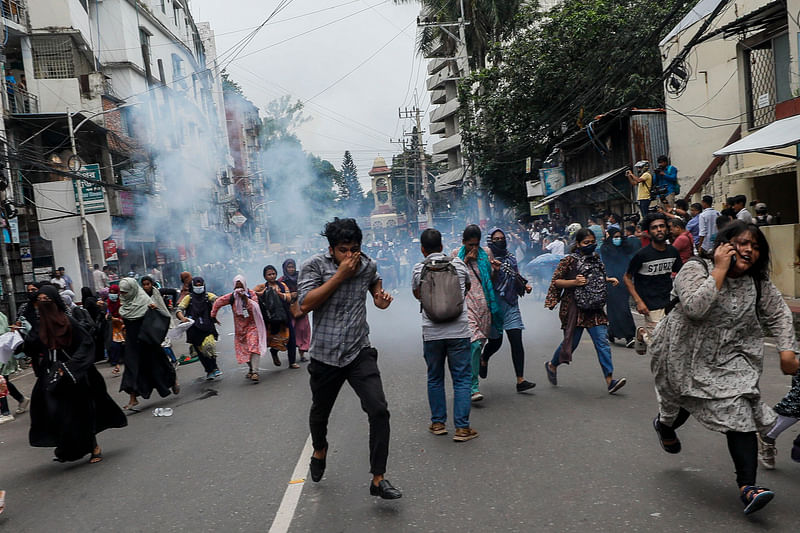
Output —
(74, 161)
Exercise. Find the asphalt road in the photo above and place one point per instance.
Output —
(570, 458)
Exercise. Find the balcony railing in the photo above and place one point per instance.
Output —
(21, 101)
(13, 10)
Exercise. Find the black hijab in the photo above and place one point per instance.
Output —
(55, 329)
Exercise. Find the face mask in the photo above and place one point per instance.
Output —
(199, 289)
(588, 250)
(617, 241)
(238, 290)
(113, 297)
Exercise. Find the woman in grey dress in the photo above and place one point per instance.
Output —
(708, 354)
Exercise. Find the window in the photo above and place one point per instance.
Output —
(164, 6)
(144, 41)
(176, 14)
(177, 69)
(53, 57)
(767, 79)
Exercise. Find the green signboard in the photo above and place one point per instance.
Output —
(93, 195)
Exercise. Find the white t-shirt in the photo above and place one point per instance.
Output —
(745, 216)
(556, 247)
(458, 328)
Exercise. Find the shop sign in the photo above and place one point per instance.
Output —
(544, 210)
(553, 179)
(110, 250)
(93, 195)
(127, 204)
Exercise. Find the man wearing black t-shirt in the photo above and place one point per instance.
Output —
(649, 277)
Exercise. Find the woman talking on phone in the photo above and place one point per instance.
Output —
(708, 353)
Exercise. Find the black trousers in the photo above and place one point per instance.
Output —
(365, 379)
(743, 448)
(517, 350)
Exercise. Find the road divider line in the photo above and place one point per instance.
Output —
(291, 497)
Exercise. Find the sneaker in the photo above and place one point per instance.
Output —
(638, 344)
(476, 397)
(616, 384)
(552, 377)
(766, 453)
(23, 405)
(525, 385)
(216, 374)
(629, 343)
(437, 428)
(465, 434)
(6, 418)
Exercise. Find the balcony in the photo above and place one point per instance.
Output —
(448, 144)
(13, 10)
(444, 111)
(20, 101)
(437, 128)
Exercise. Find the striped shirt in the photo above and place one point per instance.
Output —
(340, 328)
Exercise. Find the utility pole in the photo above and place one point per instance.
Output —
(82, 209)
(416, 114)
(4, 183)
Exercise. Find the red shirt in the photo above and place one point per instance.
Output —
(683, 243)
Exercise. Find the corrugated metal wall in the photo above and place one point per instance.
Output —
(648, 136)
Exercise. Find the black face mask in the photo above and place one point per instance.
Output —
(32, 296)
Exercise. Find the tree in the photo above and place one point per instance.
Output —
(578, 60)
(350, 191)
(229, 85)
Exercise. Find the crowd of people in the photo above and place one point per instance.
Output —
(699, 279)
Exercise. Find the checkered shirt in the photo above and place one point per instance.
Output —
(340, 328)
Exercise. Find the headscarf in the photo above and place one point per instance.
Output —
(103, 293)
(485, 270)
(150, 279)
(253, 309)
(69, 300)
(86, 292)
(198, 305)
(135, 301)
(113, 306)
(506, 280)
(290, 281)
(156, 297)
(55, 329)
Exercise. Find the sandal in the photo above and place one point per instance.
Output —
(115, 372)
(755, 498)
(249, 375)
(294, 365)
(276, 361)
(130, 406)
(2, 501)
(668, 445)
(96, 457)
(254, 377)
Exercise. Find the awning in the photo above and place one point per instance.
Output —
(779, 134)
(450, 179)
(579, 185)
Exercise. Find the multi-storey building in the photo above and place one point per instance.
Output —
(133, 83)
(740, 83)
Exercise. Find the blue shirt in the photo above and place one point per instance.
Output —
(693, 227)
(669, 177)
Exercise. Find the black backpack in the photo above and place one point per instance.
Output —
(594, 294)
(272, 310)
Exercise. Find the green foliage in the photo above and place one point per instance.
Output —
(560, 69)
(281, 118)
(229, 85)
(351, 194)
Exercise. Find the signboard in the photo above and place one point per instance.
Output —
(110, 250)
(127, 205)
(135, 178)
(25, 252)
(238, 219)
(528, 164)
(42, 274)
(544, 210)
(534, 188)
(763, 100)
(13, 225)
(93, 195)
(553, 179)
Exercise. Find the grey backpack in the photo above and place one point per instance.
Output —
(440, 292)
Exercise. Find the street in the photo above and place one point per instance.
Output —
(571, 458)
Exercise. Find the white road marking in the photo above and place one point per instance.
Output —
(769, 344)
(285, 514)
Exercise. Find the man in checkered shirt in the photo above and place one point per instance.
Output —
(334, 285)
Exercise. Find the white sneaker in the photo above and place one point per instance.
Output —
(6, 418)
(23, 405)
(477, 397)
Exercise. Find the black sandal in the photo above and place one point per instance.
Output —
(674, 447)
(96, 457)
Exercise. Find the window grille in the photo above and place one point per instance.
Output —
(760, 61)
(53, 57)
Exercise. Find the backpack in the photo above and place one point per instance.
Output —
(440, 293)
(272, 309)
(594, 294)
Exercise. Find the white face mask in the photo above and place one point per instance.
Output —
(113, 297)
(199, 289)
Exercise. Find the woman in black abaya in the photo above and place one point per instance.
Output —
(146, 365)
(69, 403)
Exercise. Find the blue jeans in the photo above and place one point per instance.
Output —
(599, 336)
(458, 355)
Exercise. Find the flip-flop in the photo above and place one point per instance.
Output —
(96, 457)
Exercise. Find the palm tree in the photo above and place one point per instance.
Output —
(489, 21)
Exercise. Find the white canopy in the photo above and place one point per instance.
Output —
(580, 185)
(779, 134)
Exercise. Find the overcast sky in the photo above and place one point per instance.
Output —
(358, 113)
